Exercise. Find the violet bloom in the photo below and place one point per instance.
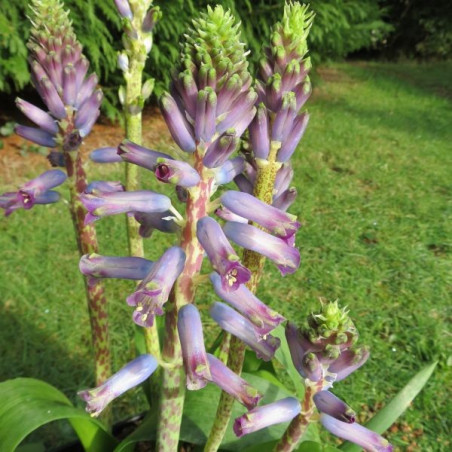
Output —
(152, 293)
(124, 10)
(234, 323)
(105, 155)
(232, 383)
(35, 191)
(127, 378)
(230, 169)
(176, 172)
(99, 266)
(348, 361)
(221, 254)
(283, 410)
(138, 155)
(280, 223)
(221, 149)
(259, 133)
(286, 257)
(328, 403)
(263, 318)
(100, 186)
(194, 353)
(111, 203)
(367, 439)
(162, 221)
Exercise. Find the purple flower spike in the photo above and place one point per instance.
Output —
(180, 129)
(38, 116)
(328, 403)
(348, 361)
(104, 204)
(38, 136)
(176, 172)
(98, 266)
(127, 378)
(152, 293)
(100, 186)
(293, 138)
(194, 353)
(259, 133)
(234, 323)
(283, 410)
(264, 318)
(220, 150)
(231, 383)
(163, 221)
(221, 254)
(247, 206)
(286, 258)
(139, 155)
(229, 170)
(367, 439)
(105, 155)
(124, 9)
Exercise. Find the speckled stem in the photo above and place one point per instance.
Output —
(87, 243)
(263, 190)
(173, 386)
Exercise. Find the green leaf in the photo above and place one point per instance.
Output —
(283, 356)
(389, 414)
(27, 404)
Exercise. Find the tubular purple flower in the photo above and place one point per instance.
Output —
(280, 223)
(244, 122)
(239, 326)
(328, 403)
(367, 439)
(139, 155)
(88, 112)
(229, 170)
(283, 410)
(302, 93)
(288, 147)
(227, 215)
(163, 221)
(176, 172)
(239, 109)
(244, 184)
(220, 150)
(152, 293)
(100, 186)
(286, 258)
(127, 378)
(69, 85)
(105, 155)
(150, 20)
(297, 347)
(184, 88)
(38, 136)
(286, 199)
(348, 361)
(259, 133)
(38, 116)
(283, 179)
(284, 118)
(180, 129)
(104, 204)
(98, 266)
(205, 114)
(51, 98)
(233, 384)
(87, 88)
(311, 367)
(194, 353)
(221, 254)
(263, 318)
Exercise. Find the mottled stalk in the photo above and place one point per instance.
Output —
(173, 385)
(87, 244)
(263, 190)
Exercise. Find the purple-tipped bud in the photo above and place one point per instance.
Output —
(367, 439)
(240, 111)
(220, 150)
(206, 106)
(284, 118)
(104, 204)
(283, 410)
(286, 199)
(348, 361)
(163, 221)
(264, 318)
(151, 18)
(88, 113)
(259, 133)
(234, 323)
(302, 92)
(288, 147)
(176, 172)
(98, 266)
(231, 383)
(180, 129)
(244, 122)
(280, 223)
(69, 85)
(194, 353)
(244, 184)
(229, 170)
(124, 10)
(152, 293)
(286, 257)
(87, 88)
(38, 116)
(221, 254)
(105, 155)
(328, 403)
(38, 136)
(298, 347)
(227, 215)
(283, 179)
(51, 98)
(139, 155)
(127, 378)
(100, 186)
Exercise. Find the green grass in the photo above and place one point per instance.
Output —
(373, 175)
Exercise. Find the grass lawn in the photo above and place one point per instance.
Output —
(374, 181)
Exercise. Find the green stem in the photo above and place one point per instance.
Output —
(263, 190)
(173, 386)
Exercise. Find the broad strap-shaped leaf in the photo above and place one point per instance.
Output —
(27, 404)
(391, 412)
